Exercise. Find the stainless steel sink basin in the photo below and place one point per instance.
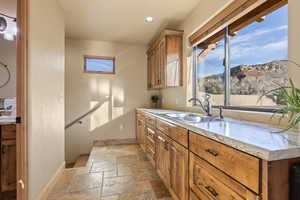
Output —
(192, 118)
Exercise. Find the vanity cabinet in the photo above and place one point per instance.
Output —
(164, 58)
(8, 165)
(8, 158)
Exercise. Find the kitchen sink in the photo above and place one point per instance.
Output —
(192, 118)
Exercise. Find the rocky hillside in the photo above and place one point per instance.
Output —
(249, 79)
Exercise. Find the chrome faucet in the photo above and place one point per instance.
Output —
(205, 107)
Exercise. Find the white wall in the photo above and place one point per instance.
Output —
(118, 94)
(8, 57)
(176, 98)
(46, 142)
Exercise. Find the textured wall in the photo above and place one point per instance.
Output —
(118, 94)
(46, 93)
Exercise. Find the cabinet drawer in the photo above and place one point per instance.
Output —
(150, 136)
(150, 152)
(150, 120)
(8, 132)
(199, 196)
(240, 166)
(206, 180)
(177, 133)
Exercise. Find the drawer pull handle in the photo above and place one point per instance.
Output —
(151, 131)
(212, 191)
(212, 152)
(161, 139)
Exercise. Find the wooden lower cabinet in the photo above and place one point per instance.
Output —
(8, 165)
(210, 183)
(163, 157)
(150, 142)
(179, 186)
(140, 131)
(200, 196)
(8, 158)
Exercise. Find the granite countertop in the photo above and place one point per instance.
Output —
(5, 120)
(252, 138)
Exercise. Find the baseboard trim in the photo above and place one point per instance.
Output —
(44, 194)
(115, 142)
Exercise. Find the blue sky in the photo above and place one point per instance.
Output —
(99, 65)
(255, 44)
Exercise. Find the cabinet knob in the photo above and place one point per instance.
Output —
(212, 152)
(21, 183)
(212, 191)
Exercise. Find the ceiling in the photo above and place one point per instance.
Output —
(8, 7)
(122, 20)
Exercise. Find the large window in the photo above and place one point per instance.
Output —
(254, 59)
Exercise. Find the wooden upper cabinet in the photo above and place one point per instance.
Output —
(165, 60)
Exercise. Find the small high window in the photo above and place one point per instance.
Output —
(99, 64)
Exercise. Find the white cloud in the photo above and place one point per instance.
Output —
(256, 33)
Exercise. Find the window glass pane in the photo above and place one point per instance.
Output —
(256, 66)
(211, 73)
(99, 65)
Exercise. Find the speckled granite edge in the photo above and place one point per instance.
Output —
(265, 154)
(7, 121)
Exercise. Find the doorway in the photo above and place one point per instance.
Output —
(13, 95)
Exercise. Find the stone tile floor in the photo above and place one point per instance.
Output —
(120, 172)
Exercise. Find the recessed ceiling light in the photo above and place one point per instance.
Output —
(149, 19)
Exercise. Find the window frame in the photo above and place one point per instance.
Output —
(227, 63)
(85, 57)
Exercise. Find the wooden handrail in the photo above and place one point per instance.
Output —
(83, 116)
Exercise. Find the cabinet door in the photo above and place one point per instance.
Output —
(151, 69)
(8, 165)
(156, 67)
(163, 157)
(178, 171)
(162, 63)
(150, 145)
(139, 129)
(173, 68)
(143, 134)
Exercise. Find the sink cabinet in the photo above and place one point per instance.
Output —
(178, 171)
(195, 167)
(163, 157)
(165, 60)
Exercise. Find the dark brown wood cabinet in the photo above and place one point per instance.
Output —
(165, 60)
(8, 158)
(8, 165)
